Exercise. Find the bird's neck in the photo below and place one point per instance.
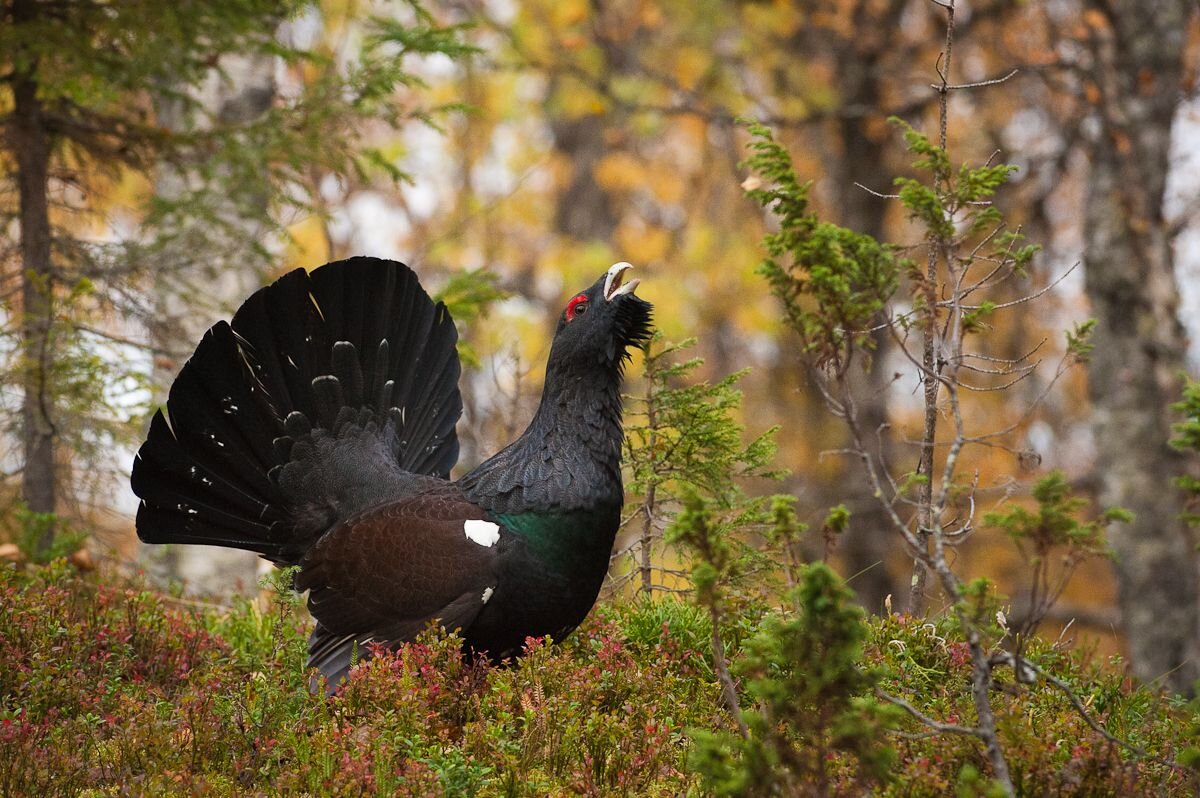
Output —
(570, 456)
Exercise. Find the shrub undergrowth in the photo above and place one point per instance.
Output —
(114, 690)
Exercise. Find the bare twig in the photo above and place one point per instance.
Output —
(1000, 372)
(1030, 297)
(1018, 359)
(977, 85)
(1003, 387)
(1084, 714)
(875, 193)
(936, 725)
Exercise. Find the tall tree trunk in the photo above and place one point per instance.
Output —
(583, 210)
(30, 141)
(1139, 342)
(870, 539)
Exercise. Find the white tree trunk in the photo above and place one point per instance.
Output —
(1139, 343)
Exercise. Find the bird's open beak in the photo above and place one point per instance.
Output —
(613, 281)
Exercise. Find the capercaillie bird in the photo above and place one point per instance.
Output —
(317, 428)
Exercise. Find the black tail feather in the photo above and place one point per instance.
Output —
(348, 371)
(420, 353)
(306, 362)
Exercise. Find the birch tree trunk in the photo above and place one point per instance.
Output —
(1139, 342)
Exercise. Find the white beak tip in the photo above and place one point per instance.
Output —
(613, 286)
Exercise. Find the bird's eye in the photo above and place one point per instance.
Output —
(577, 307)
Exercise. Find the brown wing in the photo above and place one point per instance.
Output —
(385, 573)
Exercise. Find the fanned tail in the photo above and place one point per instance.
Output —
(327, 392)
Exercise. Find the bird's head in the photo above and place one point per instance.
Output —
(600, 323)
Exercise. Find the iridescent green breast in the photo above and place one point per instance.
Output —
(550, 570)
(567, 542)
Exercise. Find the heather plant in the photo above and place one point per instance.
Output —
(111, 689)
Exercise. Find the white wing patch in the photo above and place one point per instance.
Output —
(487, 594)
(485, 533)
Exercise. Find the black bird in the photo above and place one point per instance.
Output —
(318, 429)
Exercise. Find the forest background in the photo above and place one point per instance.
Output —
(511, 151)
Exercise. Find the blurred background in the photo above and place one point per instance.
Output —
(161, 163)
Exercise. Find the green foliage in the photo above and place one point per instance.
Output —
(833, 282)
(468, 295)
(83, 59)
(1187, 438)
(975, 320)
(683, 444)
(980, 183)
(972, 784)
(785, 529)
(256, 168)
(945, 203)
(1055, 524)
(812, 700)
(108, 689)
(837, 520)
(1187, 432)
(670, 625)
(785, 533)
(799, 669)
(1053, 541)
(930, 157)
(32, 534)
(682, 435)
(925, 206)
(1079, 340)
(422, 36)
(716, 559)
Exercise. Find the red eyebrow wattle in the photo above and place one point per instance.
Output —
(573, 304)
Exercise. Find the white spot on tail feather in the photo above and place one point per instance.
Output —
(485, 533)
(487, 594)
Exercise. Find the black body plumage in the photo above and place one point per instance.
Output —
(317, 429)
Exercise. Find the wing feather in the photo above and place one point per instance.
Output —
(386, 573)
